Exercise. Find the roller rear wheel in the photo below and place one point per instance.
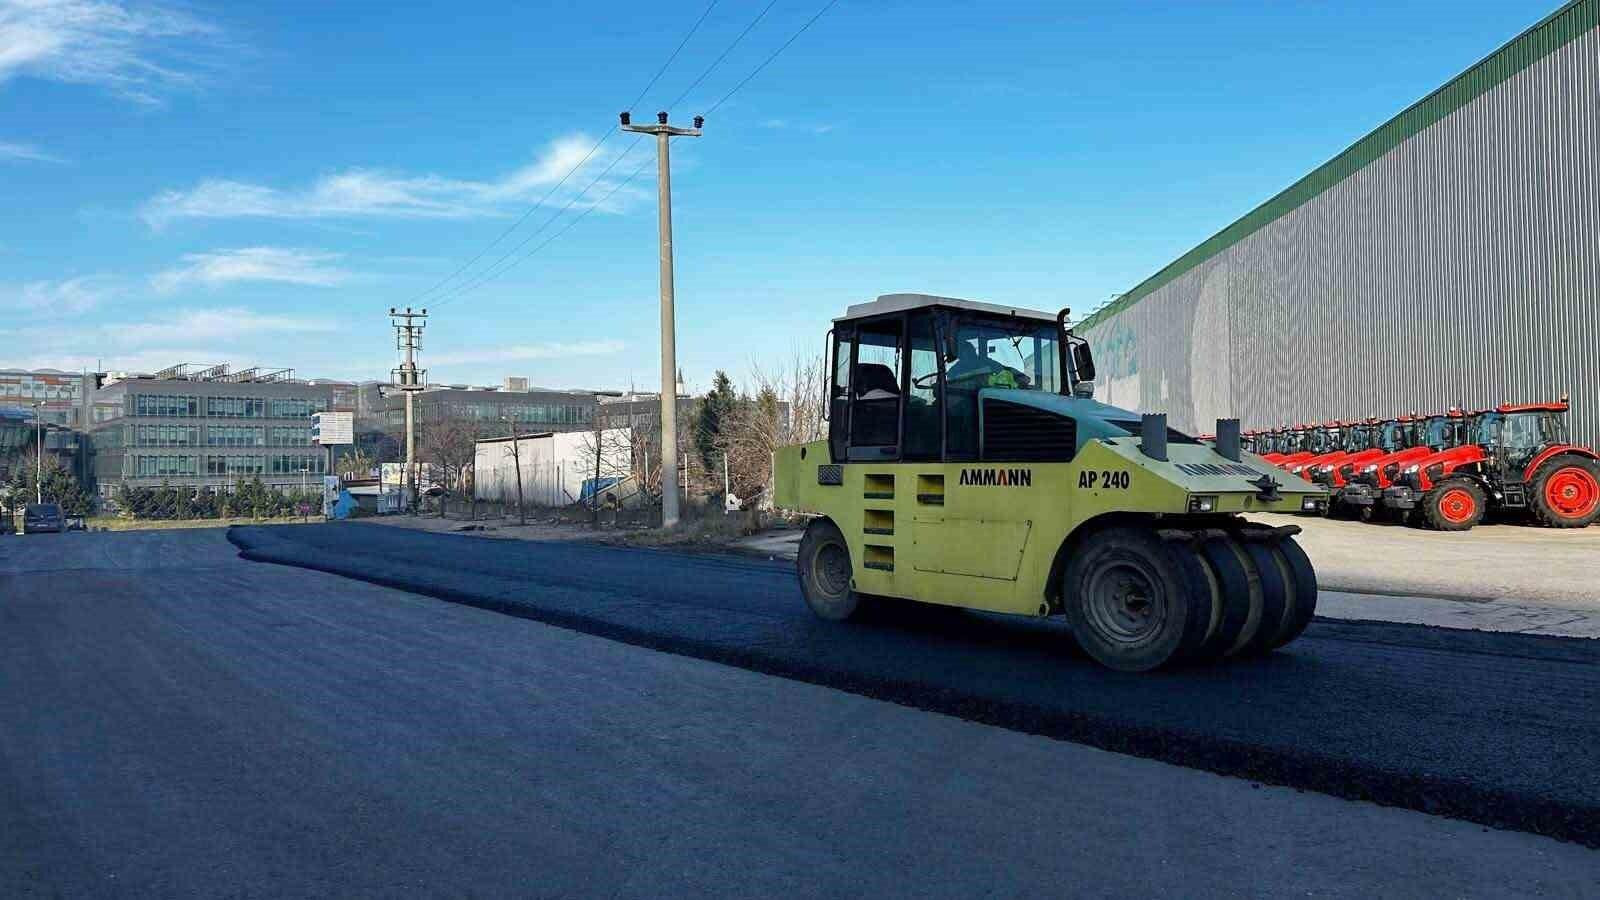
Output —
(1277, 582)
(1136, 602)
(1302, 600)
(1239, 596)
(826, 574)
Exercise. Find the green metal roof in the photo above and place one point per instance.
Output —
(1527, 48)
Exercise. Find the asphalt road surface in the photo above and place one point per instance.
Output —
(1502, 729)
(176, 721)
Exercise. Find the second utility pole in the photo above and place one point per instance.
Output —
(410, 380)
(669, 349)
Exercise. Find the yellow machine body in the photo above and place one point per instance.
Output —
(993, 535)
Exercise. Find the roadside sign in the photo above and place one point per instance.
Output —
(329, 428)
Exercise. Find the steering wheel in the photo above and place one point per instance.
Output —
(925, 381)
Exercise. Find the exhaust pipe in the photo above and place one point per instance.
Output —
(1153, 436)
(1228, 438)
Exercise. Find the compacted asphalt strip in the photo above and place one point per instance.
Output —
(1499, 729)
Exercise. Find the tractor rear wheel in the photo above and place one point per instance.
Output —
(1566, 492)
(826, 575)
(1136, 602)
(1453, 505)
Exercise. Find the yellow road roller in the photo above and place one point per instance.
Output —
(968, 464)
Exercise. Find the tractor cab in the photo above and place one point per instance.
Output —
(912, 375)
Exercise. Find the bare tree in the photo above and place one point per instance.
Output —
(451, 446)
(779, 408)
(612, 451)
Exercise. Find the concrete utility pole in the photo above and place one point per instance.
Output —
(409, 379)
(669, 364)
(38, 452)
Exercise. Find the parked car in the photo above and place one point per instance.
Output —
(40, 517)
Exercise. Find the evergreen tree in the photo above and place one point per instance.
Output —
(715, 412)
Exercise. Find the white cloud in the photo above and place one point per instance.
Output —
(786, 125)
(375, 193)
(137, 53)
(526, 352)
(283, 265)
(219, 324)
(58, 298)
(11, 150)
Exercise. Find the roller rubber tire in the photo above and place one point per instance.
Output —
(1565, 492)
(1239, 590)
(1455, 504)
(826, 573)
(1277, 595)
(1303, 600)
(1136, 602)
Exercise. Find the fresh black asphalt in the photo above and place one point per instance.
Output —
(178, 722)
(1495, 728)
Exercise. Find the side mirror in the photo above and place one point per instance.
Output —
(1082, 361)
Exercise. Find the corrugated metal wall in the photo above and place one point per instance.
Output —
(1460, 267)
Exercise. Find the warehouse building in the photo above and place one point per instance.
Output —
(1452, 256)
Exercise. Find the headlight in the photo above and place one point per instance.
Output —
(1202, 504)
(1371, 468)
(1310, 502)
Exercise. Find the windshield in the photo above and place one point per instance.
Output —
(1002, 353)
(1439, 432)
(1393, 436)
(1535, 429)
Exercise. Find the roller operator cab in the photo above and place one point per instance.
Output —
(967, 464)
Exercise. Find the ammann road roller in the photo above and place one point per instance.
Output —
(968, 464)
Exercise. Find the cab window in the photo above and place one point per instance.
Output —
(875, 392)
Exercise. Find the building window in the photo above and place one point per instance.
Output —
(166, 405)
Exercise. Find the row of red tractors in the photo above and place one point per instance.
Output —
(1446, 470)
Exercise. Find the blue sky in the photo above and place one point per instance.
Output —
(258, 183)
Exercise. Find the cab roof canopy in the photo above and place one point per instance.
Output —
(895, 303)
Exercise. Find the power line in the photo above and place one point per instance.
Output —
(517, 224)
(494, 270)
(579, 217)
(499, 266)
(784, 46)
(570, 172)
(729, 49)
(681, 45)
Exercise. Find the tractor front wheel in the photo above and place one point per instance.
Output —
(1136, 602)
(826, 575)
(1454, 505)
(1566, 492)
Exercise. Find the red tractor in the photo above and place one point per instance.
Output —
(1344, 439)
(1382, 438)
(1363, 493)
(1517, 457)
(1306, 441)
